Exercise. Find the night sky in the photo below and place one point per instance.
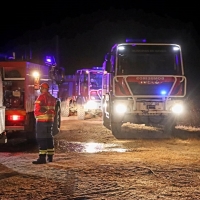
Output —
(79, 33)
(17, 18)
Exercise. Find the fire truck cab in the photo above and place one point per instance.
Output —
(144, 84)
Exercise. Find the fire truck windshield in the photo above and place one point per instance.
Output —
(149, 60)
(96, 80)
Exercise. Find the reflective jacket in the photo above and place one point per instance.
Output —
(44, 110)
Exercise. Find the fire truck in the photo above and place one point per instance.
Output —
(21, 80)
(83, 93)
(3, 138)
(144, 84)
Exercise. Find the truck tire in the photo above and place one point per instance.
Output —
(169, 127)
(116, 122)
(116, 130)
(30, 128)
(80, 112)
(64, 109)
(30, 137)
(57, 121)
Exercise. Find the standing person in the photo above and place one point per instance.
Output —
(44, 112)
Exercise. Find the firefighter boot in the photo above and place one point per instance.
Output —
(50, 158)
(40, 160)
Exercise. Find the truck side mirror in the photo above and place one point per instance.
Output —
(107, 57)
(107, 64)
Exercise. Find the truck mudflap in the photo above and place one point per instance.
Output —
(3, 138)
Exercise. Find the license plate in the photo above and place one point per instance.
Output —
(150, 103)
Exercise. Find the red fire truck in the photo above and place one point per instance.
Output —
(21, 80)
(144, 84)
(83, 93)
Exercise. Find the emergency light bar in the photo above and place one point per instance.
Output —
(100, 68)
(129, 40)
(50, 60)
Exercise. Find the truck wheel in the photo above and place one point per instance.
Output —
(30, 128)
(116, 129)
(169, 127)
(64, 109)
(30, 137)
(57, 121)
(80, 112)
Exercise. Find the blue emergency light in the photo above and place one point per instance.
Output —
(50, 60)
(130, 40)
(99, 68)
(163, 92)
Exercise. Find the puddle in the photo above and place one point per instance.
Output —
(91, 147)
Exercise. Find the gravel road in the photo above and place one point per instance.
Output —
(90, 163)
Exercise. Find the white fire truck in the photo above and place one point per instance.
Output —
(21, 80)
(3, 138)
(144, 84)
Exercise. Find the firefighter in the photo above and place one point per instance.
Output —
(44, 112)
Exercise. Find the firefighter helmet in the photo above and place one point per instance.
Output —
(44, 86)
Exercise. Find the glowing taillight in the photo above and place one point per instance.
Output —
(15, 117)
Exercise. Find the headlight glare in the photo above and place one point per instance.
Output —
(91, 105)
(177, 108)
(120, 108)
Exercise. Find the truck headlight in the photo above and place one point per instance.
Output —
(177, 108)
(120, 108)
(91, 105)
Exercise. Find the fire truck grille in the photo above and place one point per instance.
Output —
(150, 89)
